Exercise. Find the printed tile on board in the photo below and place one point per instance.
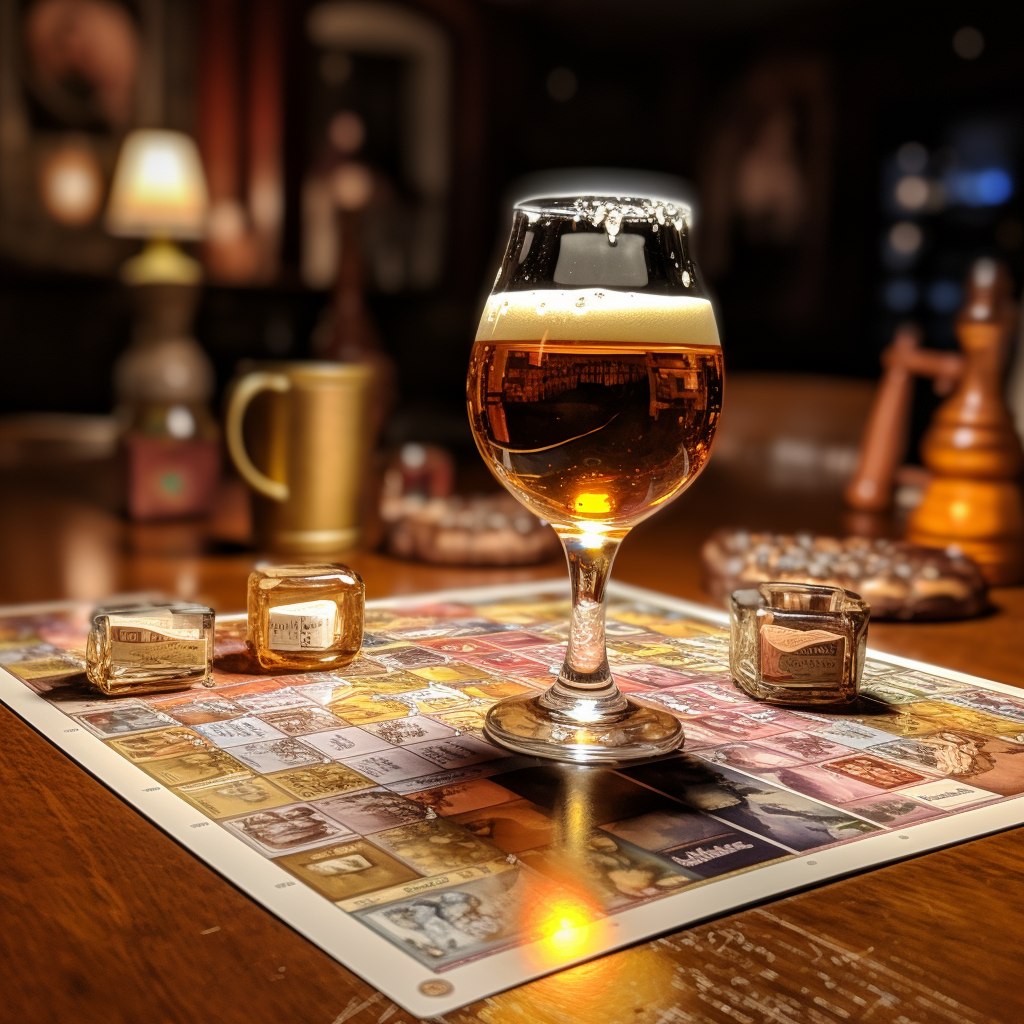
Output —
(287, 829)
(463, 720)
(459, 797)
(611, 870)
(372, 810)
(433, 780)
(750, 757)
(362, 708)
(273, 700)
(210, 765)
(457, 751)
(672, 826)
(723, 853)
(805, 747)
(988, 762)
(769, 811)
(435, 845)
(464, 920)
(459, 647)
(893, 810)
(517, 640)
(999, 704)
(348, 741)
(162, 743)
(653, 675)
(513, 826)
(224, 799)
(396, 764)
(944, 714)
(506, 661)
(235, 731)
(455, 673)
(134, 716)
(190, 708)
(408, 657)
(277, 755)
(820, 784)
(301, 721)
(314, 781)
(415, 729)
(495, 689)
(949, 794)
(875, 771)
(340, 871)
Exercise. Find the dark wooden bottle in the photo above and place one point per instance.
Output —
(353, 336)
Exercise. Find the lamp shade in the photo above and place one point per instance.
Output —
(159, 188)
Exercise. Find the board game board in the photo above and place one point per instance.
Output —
(365, 809)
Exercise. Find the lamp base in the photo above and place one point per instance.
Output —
(161, 262)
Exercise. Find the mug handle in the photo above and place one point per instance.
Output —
(244, 392)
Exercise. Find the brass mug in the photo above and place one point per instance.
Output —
(303, 449)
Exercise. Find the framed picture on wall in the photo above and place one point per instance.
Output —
(75, 76)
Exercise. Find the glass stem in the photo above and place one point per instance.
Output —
(586, 659)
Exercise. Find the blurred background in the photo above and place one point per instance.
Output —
(849, 159)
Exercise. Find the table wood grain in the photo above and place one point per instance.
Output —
(104, 918)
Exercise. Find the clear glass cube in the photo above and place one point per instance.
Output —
(794, 643)
(305, 617)
(150, 648)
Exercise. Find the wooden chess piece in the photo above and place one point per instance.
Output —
(885, 435)
(974, 500)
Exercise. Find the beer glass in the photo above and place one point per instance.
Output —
(594, 390)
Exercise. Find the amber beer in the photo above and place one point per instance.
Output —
(595, 406)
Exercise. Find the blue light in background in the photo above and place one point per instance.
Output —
(944, 295)
(900, 295)
(989, 186)
(994, 186)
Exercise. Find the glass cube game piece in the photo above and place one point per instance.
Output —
(794, 643)
(305, 617)
(150, 648)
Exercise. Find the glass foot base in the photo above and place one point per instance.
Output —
(605, 729)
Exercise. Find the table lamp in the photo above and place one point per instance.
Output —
(164, 380)
(159, 193)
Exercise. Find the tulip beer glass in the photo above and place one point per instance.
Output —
(594, 389)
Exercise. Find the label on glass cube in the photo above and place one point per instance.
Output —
(302, 627)
(134, 643)
(801, 655)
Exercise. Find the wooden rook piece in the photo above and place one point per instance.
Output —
(884, 443)
(974, 499)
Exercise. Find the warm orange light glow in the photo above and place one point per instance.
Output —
(71, 184)
(565, 923)
(159, 189)
(592, 504)
(568, 933)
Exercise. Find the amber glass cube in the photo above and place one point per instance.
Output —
(305, 617)
(793, 643)
(150, 648)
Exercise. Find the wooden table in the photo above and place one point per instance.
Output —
(104, 918)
